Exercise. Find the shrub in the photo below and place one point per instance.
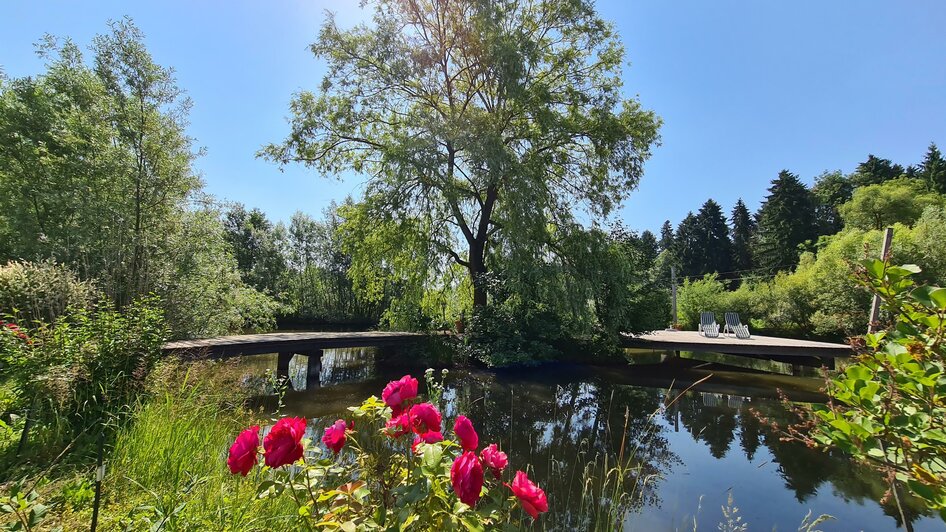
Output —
(509, 334)
(90, 363)
(703, 295)
(887, 408)
(41, 291)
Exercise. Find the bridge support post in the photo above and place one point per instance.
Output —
(282, 364)
(313, 374)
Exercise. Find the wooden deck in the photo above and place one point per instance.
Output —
(756, 346)
(286, 342)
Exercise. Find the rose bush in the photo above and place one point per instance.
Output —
(395, 471)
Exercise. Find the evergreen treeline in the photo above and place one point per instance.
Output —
(793, 217)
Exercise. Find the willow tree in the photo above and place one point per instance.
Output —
(487, 123)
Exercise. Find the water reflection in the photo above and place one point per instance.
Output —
(568, 421)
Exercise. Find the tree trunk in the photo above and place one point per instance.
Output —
(479, 296)
(477, 269)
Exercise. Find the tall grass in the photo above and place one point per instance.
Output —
(168, 468)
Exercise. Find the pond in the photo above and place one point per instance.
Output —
(692, 451)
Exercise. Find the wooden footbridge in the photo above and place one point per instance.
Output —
(310, 345)
(286, 342)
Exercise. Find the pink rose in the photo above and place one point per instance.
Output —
(399, 392)
(244, 452)
(427, 437)
(425, 418)
(530, 496)
(463, 428)
(283, 444)
(398, 426)
(466, 476)
(335, 437)
(495, 459)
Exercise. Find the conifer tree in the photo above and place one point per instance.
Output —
(933, 169)
(666, 236)
(714, 249)
(786, 219)
(686, 246)
(743, 227)
(876, 170)
(649, 247)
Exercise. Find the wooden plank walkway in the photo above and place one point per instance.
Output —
(286, 342)
(756, 346)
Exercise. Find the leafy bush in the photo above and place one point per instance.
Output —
(41, 291)
(510, 334)
(820, 297)
(205, 296)
(702, 295)
(887, 408)
(90, 363)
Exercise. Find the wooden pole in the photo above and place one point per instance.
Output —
(99, 477)
(673, 294)
(875, 304)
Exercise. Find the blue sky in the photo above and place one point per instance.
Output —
(745, 88)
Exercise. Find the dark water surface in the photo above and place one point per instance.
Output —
(690, 455)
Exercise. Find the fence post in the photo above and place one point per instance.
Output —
(875, 304)
(673, 294)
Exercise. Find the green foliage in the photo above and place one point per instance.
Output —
(702, 295)
(666, 236)
(96, 166)
(41, 291)
(875, 170)
(480, 126)
(391, 260)
(205, 295)
(256, 245)
(88, 365)
(702, 244)
(318, 283)
(887, 408)
(24, 506)
(831, 190)
(713, 238)
(895, 201)
(513, 334)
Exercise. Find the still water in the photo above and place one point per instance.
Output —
(692, 450)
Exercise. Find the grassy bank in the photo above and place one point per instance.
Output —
(166, 465)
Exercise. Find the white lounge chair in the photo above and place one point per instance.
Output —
(708, 326)
(734, 326)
